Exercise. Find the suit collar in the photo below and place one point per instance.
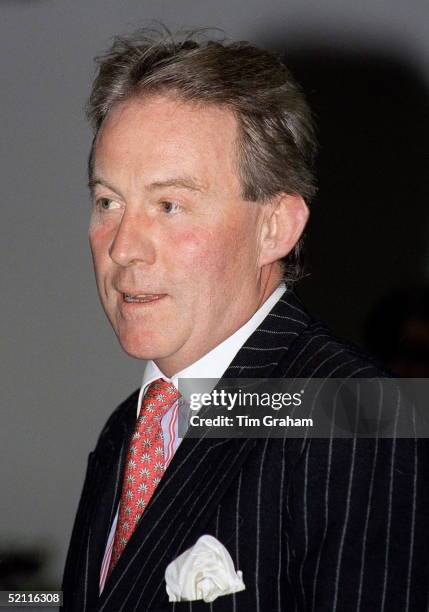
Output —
(269, 344)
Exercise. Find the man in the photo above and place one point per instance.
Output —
(200, 172)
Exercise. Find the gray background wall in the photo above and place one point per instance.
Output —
(62, 371)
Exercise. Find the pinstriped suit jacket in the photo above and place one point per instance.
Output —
(325, 525)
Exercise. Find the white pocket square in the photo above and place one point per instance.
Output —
(204, 571)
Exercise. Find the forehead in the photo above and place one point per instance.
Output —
(151, 136)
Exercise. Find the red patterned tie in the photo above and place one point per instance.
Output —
(145, 462)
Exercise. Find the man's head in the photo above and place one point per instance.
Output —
(200, 170)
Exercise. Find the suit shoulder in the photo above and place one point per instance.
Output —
(317, 352)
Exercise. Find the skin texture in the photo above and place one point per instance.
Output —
(168, 220)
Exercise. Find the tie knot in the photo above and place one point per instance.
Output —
(160, 395)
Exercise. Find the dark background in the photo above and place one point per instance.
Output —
(364, 67)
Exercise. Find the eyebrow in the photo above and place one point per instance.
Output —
(94, 181)
(182, 182)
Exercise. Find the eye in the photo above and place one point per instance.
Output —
(106, 204)
(169, 207)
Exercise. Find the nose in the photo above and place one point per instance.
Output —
(133, 241)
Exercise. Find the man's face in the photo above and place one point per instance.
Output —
(175, 247)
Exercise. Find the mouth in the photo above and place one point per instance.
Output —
(141, 298)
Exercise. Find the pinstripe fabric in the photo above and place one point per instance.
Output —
(314, 525)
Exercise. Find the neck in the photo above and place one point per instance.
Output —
(206, 342)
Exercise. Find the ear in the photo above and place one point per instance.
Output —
(284, 221)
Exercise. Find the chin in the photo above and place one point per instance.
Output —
(144, 346)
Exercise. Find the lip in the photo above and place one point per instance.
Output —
(134, 311)
(145, 293)
(156, 297)
(132, 291)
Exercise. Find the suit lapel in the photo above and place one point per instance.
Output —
(197, 477)
(105, 485)
(270, 343)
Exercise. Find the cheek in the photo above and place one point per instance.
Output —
(202, 252)
(99, 241)
(100, 237)
(98, 233)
